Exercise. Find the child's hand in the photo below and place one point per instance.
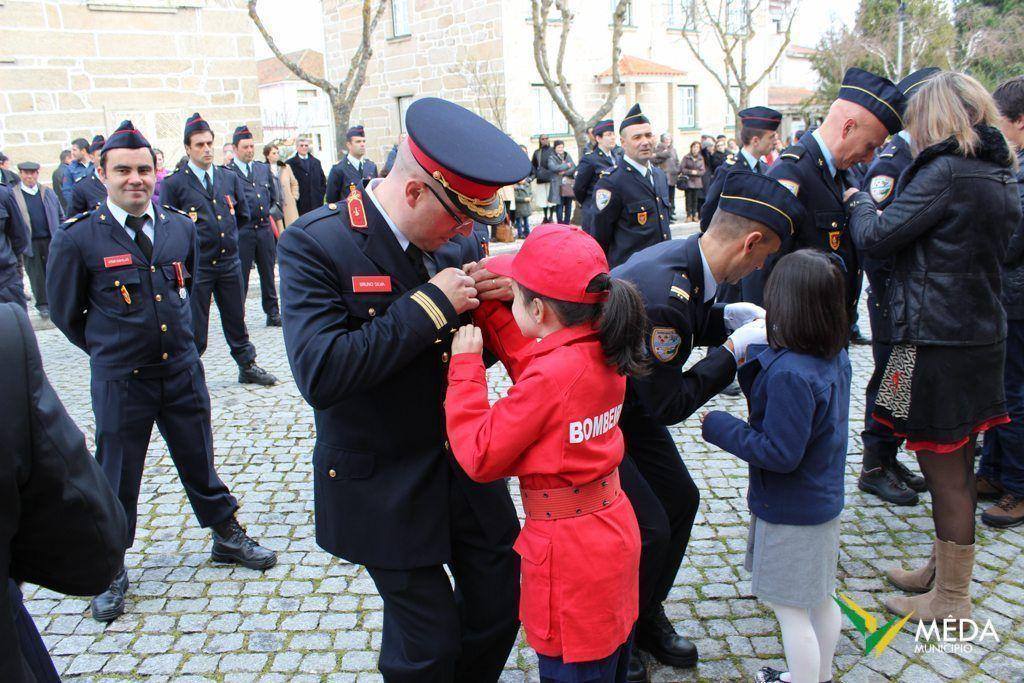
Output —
(704, 416)
(468, 340)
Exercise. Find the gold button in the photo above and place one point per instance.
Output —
(135, 372)
(163, 328)
(213, 262)
(117, 283)
(222, 234)
(332, 474)
(257, 197)
(222, 251)
(152, 269)
(214, 201)
(164, 355)
(444, 357)
(446, 447)
(261, 207)
(834, 224)
(158, 297)
(372, 312)
(332, 207)
(218, 216)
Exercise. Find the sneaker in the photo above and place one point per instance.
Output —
(769, 675)
(1006, 513)
(254, 374)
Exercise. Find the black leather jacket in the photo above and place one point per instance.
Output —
(947, 233)
(1013, 266)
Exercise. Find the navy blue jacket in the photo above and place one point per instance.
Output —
(670, 277)
(260, 194)
(714, 193)
(633, 215)
(583, 185)
(13, 234)
(369, 344)
(217, 215)
(796, 439)
(109, 301)
(343, 174)
(86, 193)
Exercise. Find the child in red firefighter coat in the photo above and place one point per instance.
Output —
(570, 338)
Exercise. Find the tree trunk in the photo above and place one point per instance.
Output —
(341, 113)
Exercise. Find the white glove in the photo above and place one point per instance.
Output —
(754, 332)
(739, 314)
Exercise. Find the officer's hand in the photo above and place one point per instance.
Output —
(489, 285)
(850, 191)
(739, 314)
(458, 287)
(753, 332)
(468, 340)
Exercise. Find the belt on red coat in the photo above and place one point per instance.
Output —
(571, 501)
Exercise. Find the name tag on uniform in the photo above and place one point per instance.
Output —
(371, 283)
(117, 261)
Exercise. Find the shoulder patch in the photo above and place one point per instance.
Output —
(665, 343)
(601, 198)
(790, 185)
(880, 187)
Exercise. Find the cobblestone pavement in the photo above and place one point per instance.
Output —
(315, 618)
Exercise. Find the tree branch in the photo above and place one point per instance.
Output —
(357, 71)
(782, 49)
(284, 59)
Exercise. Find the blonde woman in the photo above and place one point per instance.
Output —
(946, 234)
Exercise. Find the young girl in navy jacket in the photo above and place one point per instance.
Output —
(795, 441)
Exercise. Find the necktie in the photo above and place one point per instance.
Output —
(248, 172)
(415, 255)
(136, 223)
(206, 182)
(650, 176)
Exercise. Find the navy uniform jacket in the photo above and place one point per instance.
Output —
(344, 174)
(632, 215)
(587, 173)
(86, 193)
(802, 169)
(13, 235)
(732, 163)
(126, 313)
(260, 194)
(369, 345)
(670, 277)
(217, 215)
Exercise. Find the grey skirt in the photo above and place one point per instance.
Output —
(790, 564)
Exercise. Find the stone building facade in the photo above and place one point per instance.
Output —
(75, 68)
(290, 107)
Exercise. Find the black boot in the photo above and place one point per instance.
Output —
(274, 320)
(655, 634)
(254, 374)
(637, 672)
(886, 485)
(109, 605)
(733, 389)
(914, 482)
(232, 545)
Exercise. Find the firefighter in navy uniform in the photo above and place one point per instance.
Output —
(593, 163)
(118, 284)
(373, 291)
(256, 243)
(353, 170)
(631, 199)
(214, 199)
(89, 190)
(678, 281)
(881, 473)
(868, 108)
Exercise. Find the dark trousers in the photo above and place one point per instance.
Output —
(33, 649)
(1002, 457)
(180, 406)
(692, 205)
(434, 634)
(35, 267)
(880, 445)
(522, 226)
(259, 246)
(611, 669)
(563, 210)
(672, 197)
(224, 283)
(12, 287)
(664, 498)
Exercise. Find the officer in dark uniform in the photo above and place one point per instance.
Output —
(14, 241)
(89, 190)
(678, 281)
(881, 473)
(256, 241)
(355, 169)
(373, 292)
(869, 107)
(631, 199)
(118, 282)
(595, 161)
(214, 198)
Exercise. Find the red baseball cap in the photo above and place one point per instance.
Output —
(557, 261)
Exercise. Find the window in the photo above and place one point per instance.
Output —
(306, 100)
(688, 106)
(681, 14)
(546, 115)
(399, 18)
(403, 103)
(737, 16)
(628, 20)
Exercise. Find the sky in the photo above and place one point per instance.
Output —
(296, 24)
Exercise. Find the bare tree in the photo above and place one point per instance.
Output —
(555, 82)
(342, 96)
(730, 24)
(487, 87)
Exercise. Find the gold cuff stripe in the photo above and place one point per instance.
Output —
(889, 106)
(773, 208)
(428, 305)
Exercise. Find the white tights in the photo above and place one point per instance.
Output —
(809, 638)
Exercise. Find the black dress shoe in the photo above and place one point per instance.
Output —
(637, 672)
(859, 339)
(733, 389)
(274, 320)
(254, 374)
(655, 634)
(887, 486)
(914, 482)
(109, 605)
(233, 546)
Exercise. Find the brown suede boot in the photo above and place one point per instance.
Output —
(918, 580)
(950, 598)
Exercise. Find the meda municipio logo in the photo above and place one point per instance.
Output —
(875, 639)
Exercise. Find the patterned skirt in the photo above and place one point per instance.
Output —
(937, 397)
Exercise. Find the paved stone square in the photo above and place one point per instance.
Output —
(316, 618)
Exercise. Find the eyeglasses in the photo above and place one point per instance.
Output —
(460, 223)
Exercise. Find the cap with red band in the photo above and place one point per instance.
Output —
(557, 261)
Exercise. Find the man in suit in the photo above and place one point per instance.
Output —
(591, 165)
(118, 286)
(354, 169)
(310, 176)
(41, 212)
(256, 241)
(631, 199)
(373, 291)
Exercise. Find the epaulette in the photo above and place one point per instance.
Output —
(680, 288)
(887, 152)
(794, 152)
(68, 222)
(175, 210)
(607, 171)
(731, 159)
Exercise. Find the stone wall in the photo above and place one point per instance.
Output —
(75, 68)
